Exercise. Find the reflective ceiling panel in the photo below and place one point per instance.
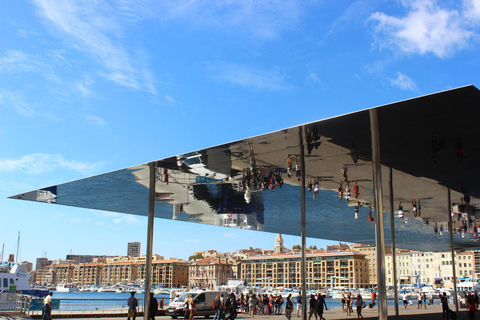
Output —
(428, 145)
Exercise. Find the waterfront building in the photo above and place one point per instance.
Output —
(83, 258)
(120, 272)
(171, 273)
(209, 273)
(133, 249)
(346, 269)
(465, 264)
(61, 273)
(88, 273)
(371, 255)
(42, 262)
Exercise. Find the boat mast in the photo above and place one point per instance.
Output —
(3, 250)
(18, 245)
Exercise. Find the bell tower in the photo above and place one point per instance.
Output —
(279, 248)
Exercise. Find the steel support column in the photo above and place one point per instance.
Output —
(303, 224)
(394, 247)
(148, 262)
(379, 230)
(454, 269)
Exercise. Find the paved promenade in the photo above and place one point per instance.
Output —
(411, 313)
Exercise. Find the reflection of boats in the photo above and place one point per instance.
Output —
(214, 163)
(15, 278)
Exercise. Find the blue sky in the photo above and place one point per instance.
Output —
(93, 86)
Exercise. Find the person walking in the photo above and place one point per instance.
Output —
(348, 304)
(289, 307)
(312, 302)
(153, 306)
(218, 307)
(320, 304)
(252, 305)
(444, 302)
(191, 307)
(343, 300)
(419, 300)
(359, 305)
(299, 304)
(47, 307)
(132, 303)
(405, 300)
(472, 307)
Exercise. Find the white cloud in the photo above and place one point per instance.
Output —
(19, 61)
(16, 102)
(91, 27)
(40, 163)
(427, 28)
(264, 20)
(170, 99)
(313, 77)
(117, 221)
(75, 221)
(472, 10)
(404, 82)
(247, 76)
(228, 235)
(96, 121)
(84, 85)
(192, 240)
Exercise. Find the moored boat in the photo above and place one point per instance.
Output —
(15, 278)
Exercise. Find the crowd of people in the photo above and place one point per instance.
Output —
(348, 301)
(264, 304)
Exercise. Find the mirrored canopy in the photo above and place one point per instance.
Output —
(428, 144)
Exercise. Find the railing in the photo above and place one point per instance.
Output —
(87, 307)
(14, 302)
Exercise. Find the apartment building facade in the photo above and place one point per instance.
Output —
(168, 273)
(343, 269)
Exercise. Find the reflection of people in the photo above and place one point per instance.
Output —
(298, 168)
(370, 217)
(289, 166)
(47, 307)
(153, 306)
(132, 306)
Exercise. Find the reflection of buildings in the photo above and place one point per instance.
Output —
(238, 220)
(204, 198)
(230, 206)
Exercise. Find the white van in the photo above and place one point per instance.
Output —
(203, 303)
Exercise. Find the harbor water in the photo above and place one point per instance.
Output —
(78, 301)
